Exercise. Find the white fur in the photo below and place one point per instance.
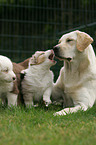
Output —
(7, 77)
(12, 99)
(38, 81)
(76, 84)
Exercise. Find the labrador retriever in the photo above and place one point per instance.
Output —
(76, 84)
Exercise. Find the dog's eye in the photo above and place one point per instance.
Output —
(6, 71)
(69, 40)
(42, 53)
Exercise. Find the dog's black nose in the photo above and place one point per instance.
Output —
(14, 78)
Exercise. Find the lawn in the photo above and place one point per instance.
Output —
(38, 126)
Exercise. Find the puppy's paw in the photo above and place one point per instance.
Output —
(47, 103)
(36, 105)
(22, 74)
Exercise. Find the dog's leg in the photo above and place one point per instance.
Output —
(71, 110)
(46, 96)
(12, 99)
(3, 99)
(58, 89)
(57, 95)
(28, 100)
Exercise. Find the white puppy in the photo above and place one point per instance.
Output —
(7, 77)
(38, 80)
(76, 83)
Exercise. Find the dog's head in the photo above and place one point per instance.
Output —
(6, 70)
(43, 57)
(70, 44)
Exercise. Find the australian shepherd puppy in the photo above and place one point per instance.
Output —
(38, 80)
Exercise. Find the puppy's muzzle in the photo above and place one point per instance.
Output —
(14, 78)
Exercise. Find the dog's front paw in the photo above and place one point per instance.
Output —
(59, 113)
(47, 103)
(36, 105)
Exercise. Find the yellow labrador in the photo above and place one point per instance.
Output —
(76, 83)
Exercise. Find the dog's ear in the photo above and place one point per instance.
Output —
(33, 60)
(83, 40)
(37, 58)
(40, 59)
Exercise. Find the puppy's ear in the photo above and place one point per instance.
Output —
(37, 58)
(33, 60)
(83, 40)
(40, 59)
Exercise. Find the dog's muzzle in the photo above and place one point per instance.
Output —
(57, 54)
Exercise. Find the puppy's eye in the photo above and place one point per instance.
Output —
(42, 53)
(69, 40)
(6, 70)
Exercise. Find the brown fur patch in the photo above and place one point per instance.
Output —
(17, 68)
(24, 63)
(37, 58)
(40, 59)
(83, 40)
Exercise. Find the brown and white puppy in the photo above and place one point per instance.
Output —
(76, 83)
(17, 68)
(38, 80)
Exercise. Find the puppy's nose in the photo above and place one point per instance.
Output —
(14, 78)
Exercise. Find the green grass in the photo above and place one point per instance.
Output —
(38, 126)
